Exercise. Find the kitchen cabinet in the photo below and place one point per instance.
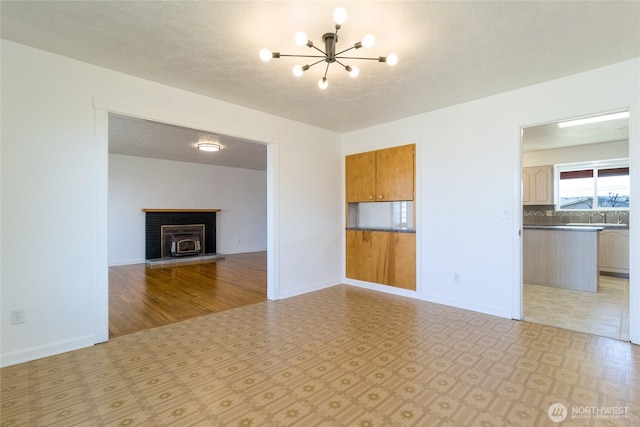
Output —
(561, 257)
(614, 251)
(537, 185)
(381, 176)
(388, 258)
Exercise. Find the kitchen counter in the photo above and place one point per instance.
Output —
(561, 256)
(564, 227)
(606, 225)
(580, 225)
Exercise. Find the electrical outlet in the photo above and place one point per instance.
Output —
(456, 277)
(17, 316)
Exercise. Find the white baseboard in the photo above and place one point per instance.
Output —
(101, 334)
(311, 288)
(243, 251)
(466, 305)
(126, 262)
(436, 299)
(382, 288)
(48, 350)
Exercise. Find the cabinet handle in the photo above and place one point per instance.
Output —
(380, 196)
(370, 197)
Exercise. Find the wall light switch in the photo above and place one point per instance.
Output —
(505, 213)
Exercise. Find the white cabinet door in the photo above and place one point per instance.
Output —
(614, 251)
(537, 185)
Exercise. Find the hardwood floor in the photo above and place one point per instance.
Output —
(143, 297)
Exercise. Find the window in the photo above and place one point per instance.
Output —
(401, 213)
(594, 185)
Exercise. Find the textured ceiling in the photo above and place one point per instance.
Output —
(137, 137)
(450, 52)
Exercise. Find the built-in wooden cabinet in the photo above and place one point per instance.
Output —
(537, 185)
(381, 176)
(614, 251)
(360, 172)
(382, 257)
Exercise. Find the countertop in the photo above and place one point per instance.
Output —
(387, 229)
(564, 227)
(579, 225)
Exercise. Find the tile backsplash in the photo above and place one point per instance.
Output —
(547, 215)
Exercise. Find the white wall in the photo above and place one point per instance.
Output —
(53, 185)
(468, 163)
(582, 153)
(138, 182)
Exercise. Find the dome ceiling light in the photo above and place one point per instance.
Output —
(208, 146)
(329, 55)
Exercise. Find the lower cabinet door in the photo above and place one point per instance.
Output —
(401, 270)
(382, 257)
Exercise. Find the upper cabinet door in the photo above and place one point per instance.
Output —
(543, 181)
(537, 185)
(395, 171)
(360, 172)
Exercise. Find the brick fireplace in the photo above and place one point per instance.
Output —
(179, 233)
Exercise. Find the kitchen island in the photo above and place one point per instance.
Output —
(561, 256)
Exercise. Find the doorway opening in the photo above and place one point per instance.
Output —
(575, 244)
(156, 164)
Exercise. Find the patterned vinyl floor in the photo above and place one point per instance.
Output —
(605, 312)
(338, 357)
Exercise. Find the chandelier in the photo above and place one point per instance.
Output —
(329, 55)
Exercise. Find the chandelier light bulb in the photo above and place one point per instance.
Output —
(323, 83)
(340, 15)
(392, 59)
(297, 71)
(368, 40)
(265, 54)
(353, 73)
(300, 38)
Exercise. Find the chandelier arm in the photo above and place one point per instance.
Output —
(356, 57)
(326, 70)
(304, 56)
(316, 63)
(341, 63)
(319, 50)
(346, 50)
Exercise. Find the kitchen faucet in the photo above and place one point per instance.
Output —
(604, 217)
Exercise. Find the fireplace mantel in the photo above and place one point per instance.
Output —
(179, 210)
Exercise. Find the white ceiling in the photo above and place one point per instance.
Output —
(450, 52)
(137, 137)
(550, 136)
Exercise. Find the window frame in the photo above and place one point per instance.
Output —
(595, 166)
